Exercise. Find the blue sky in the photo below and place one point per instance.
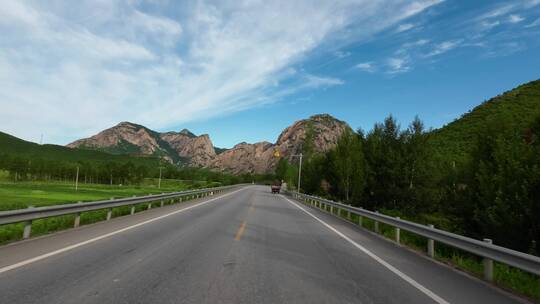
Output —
(244, 70)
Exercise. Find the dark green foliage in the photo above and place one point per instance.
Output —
(347, 166)
(308, 146)
(29, 161)
(478, 176)
(517, 109)
(281, 169)
(314, 175)
(10, 145)
(503, 186)
(123, 147)
(384, 158)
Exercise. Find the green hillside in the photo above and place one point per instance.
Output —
(11, 145)
(516, 109)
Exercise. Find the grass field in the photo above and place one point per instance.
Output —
(18, 195)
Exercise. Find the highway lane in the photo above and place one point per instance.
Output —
(248, 246)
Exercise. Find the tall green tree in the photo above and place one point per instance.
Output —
(347, 164)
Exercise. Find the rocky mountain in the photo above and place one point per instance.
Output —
(196, 150)
(318, 133)
(128, 138)
(322, 131)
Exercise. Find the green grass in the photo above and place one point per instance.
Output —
(17, 195)
(505, 276)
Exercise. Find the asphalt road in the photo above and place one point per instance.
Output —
(246, 246)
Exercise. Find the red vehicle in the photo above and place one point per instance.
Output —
(275, 188)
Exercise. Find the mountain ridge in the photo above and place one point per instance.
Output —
(186, 148)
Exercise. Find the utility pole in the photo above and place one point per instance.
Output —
(300, 173)
(277, 154)
(299, 170)
(77, 180)
(159, 181)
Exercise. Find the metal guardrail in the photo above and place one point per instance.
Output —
(29, 214)
(484, 249)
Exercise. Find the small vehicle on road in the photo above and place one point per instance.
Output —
(275, 188)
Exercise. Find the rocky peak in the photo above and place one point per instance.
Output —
(188, 133)
(322, 130)
(126, 138)
(198, 150)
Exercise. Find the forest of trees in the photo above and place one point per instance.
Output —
(126, 172)
(493, 193)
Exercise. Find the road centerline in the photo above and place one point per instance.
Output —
(95, 239)
(240, 231)
(393, 269)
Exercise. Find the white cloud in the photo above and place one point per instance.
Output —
(398, 65)
(419, 42)
(166, 30)
(515, 18)
(531, 3)
(444, 47)
(342, 54)
(404, 27)
(71, 69)
(487, 25)
(534, 23)
(498, 11)
(313, 81)
(505, 49)
(366, 66)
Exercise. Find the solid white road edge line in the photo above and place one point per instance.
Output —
(46, 255)
(396, 271)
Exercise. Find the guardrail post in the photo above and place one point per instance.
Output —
(149, 206)
(349, 217)
(109, 211)
(77, 221)
(360, 218)
(431, 245)
(331, 209)
(162, 203)
(376, 225)
(397, 233)
(27, 227)
(488, 265)
(132, 212)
